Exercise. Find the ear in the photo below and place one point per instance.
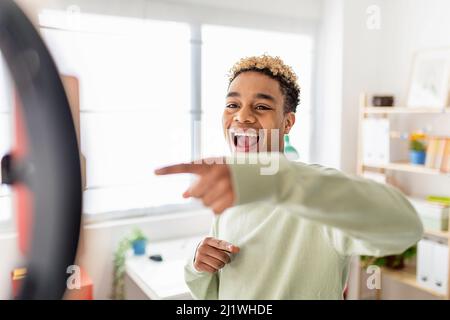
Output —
(289, 120)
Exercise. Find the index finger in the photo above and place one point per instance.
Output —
(222, 245)
(181, 168)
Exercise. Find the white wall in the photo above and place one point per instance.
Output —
(303, 9)
(327, 107)
(361, 47)
(283, 15)
(410, 25)
(347, 64)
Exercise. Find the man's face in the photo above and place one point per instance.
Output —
(254, 101)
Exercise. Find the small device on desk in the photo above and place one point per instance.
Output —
(156, 257)
(159, 275)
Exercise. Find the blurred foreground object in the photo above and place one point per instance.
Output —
(82, 289)
(44, 165)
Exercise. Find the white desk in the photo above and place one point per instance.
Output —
(162, 280)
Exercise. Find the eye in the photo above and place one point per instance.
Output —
(232, 106)
(262, 107)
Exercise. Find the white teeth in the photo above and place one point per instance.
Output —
(245, 134)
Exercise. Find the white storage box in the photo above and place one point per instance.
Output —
(432, 265)
(378, 147)
(434, 216)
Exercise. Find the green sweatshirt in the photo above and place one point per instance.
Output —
(297, 230)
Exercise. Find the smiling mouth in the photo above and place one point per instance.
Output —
(245, 140)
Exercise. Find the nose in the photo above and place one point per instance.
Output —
(244, 115)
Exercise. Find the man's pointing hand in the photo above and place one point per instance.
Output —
(214, 186)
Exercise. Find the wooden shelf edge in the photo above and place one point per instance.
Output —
(407, 167)
(404, 110)
(440, 234)
(408, 277)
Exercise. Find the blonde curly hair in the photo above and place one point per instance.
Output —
(276, 69)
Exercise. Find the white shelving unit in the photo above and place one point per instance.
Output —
(406, 276)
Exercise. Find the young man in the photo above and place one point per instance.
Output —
(289, 235)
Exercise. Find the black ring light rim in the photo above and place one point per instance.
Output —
(55, 178)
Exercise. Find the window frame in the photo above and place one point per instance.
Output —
(89, 218)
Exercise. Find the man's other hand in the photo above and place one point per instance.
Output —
(213, 254)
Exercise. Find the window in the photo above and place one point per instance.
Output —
(5, 138)
(134, 106)
(222, 47)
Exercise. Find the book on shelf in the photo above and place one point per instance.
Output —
(445, 166)
(439, 199)
(438, 154)
(431, 153)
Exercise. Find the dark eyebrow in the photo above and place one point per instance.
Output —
(264, 96)
(233, 94)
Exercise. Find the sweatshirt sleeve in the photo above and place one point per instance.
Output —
(359, 216)
(202, 285)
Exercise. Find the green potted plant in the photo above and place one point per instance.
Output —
(417, 149)
(393, 262)
(138, 242)
(118, 290)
